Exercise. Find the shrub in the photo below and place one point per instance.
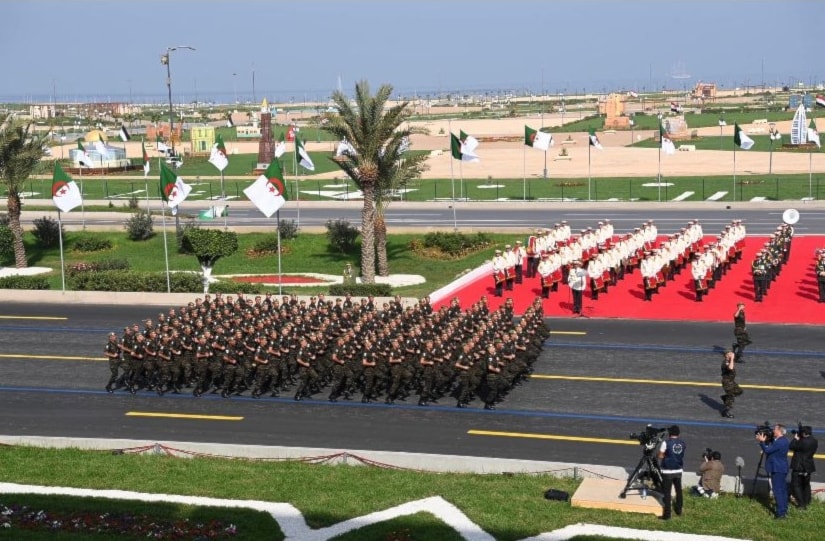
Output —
(133, 202)
(23, 282)
(361, 290)
(456, 244)
(228, 287)
(97, 266)
(139, 226)
(126, 280)
(90, 243)
(341, 235)
(47, 231)
(6, 242)
(189, 225)
(4, 219)
(288, 229)
(267, 245)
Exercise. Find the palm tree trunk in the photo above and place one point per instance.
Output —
(368, 235)
(14, 208)
(381, 244)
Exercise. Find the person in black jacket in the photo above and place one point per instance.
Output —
(804, 447)
(672, 457)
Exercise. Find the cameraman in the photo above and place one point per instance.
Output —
(776, 464)
(804, 447)
(672, 456)
(710, 472)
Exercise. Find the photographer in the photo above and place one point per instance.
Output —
(672, 456)
(710, 473)
(776, 464)
(804, 447)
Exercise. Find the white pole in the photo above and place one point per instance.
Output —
(82, 203)
(810, 173)
(734, 171)
(659, 173)
(223, 198)
(278, 232)
(165, 247)
(60, 237)
(589, 145)
(452, 178)
(524, 173)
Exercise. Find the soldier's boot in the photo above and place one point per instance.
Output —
(727, 413)
(423, 402)
(489, 406)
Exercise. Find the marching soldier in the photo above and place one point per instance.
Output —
(820, 274)
(492, 363)
(740, 332)
(729, 385)
(759, 269)
(112, 352)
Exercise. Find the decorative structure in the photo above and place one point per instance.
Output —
(203, 137)
(705, 91)
(613, 109)
(162, 131)
(266, 146)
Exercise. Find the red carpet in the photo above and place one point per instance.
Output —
(792, 298)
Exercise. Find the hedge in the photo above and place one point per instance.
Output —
(361, 290)
(24, 282)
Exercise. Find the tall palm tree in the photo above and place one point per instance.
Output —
(375, 133)
(20, 152)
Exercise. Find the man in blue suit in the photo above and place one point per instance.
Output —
(776, 464)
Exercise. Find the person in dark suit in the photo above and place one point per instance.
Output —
(804, 447)
(776, 464)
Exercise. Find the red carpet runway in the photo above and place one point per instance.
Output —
(792, 298)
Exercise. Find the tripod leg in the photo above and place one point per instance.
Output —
(756, 475)
(634, 477)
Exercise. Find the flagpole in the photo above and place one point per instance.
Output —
(165, 247)
(223, 197)
(810, 172)
(524, 173)
(297, 192)
(278, 233)
(82, 203)
(452, 178)
(589, 146)
(734, 172)
(60, 237)
(659, 173)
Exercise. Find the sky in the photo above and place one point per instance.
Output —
(298, 50)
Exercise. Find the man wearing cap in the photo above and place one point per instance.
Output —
(112, 352)
(577, 281)
(759, 269)
(740, 332)
(520, 254)
(545, 271)
(532, 254)
(499, 266)
(510, 267)
(820, 274)
(698, 271)
(672, 457)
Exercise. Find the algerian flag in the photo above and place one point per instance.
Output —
(820, 100)
(813, 135)
(173, 189)
(124, 134)
(145, 159)
(100, 146)
(667, 143)
(594, 140)
(539, 140)
(83, 158)
(675, 107)
(741, 139)
(305, 160)
(268, 192)
(722, 122)
(214, 212)
(229, 123)
(459, 152)
(280, 148)
(468, 142)
(218, 156)
(65, 192)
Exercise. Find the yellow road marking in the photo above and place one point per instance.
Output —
(183, 416)
(683, 383)
(42, 318)
(562, 438)
(573, 333)
(50, 357)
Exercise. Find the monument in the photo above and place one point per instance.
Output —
(613, 110)
(266, 146)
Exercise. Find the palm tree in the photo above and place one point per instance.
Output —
(20, 152)
(373, 131)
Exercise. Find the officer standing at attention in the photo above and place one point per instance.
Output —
(740, 332)
(820, 274)
(672, 457)
(577, 281)
(729, 385)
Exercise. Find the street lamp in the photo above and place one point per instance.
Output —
(775, 136)
(722, 124)
(164, 59)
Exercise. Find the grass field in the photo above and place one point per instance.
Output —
(509, 507)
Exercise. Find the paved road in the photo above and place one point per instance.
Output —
(759, 218)
(596, 379)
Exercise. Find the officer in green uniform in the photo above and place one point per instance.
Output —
(820, 274)
(112, 352)
(740, 332)
(729, 385)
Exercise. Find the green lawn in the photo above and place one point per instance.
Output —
(509, 507)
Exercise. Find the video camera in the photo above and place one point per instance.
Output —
(707, 454)
(801, 430)
(766, 430)
(650, 438)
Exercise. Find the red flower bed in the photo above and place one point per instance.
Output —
(273, 279)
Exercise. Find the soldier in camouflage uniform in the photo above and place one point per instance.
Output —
(729, 385)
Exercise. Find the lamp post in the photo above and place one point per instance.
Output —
(721, 125)
(775, 136)
(164, 59)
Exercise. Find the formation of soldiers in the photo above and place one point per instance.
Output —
(714, 260)
(768, 262)
(819, 271)
(266, 345)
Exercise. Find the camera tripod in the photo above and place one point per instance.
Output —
(756, 475)
(647, 468)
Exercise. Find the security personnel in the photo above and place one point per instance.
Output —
(672, 457)
(820, 274)
(740, 332)
(804, 447)
(729, 385)
(112, 352)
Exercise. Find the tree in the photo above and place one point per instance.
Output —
(209, 245)
(20, 152)
(375, 134)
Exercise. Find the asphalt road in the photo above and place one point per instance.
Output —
(669, 218)
(597, 381)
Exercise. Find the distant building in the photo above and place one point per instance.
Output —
(203, 137)
(114, 158)
(805, 99)
(162, 131)
(248, 132)
(705, 91)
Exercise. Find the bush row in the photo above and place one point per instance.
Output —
(456, 244)
(24, 282)
(361, 290)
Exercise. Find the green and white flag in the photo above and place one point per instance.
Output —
(594, 140)
(741, 139)
(65, 193)
(459, 152)
(468, 142)
(100, 146)
(173, 189)
(145, 159)
(268, 192)
(303, 155)
(218, 155)
(280, 148)
(83, 158)
(537, 139)
(813, 135)
(667, 143)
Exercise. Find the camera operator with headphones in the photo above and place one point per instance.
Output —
(776, 464)
(672, 455)
(804, 447)
(710, 473)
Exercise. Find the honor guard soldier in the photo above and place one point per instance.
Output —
(520, 254)
(499, 269)
(820, 274)
(698, 271)
(509, 268)
(545, 271)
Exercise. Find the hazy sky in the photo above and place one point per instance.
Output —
(91, 49)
